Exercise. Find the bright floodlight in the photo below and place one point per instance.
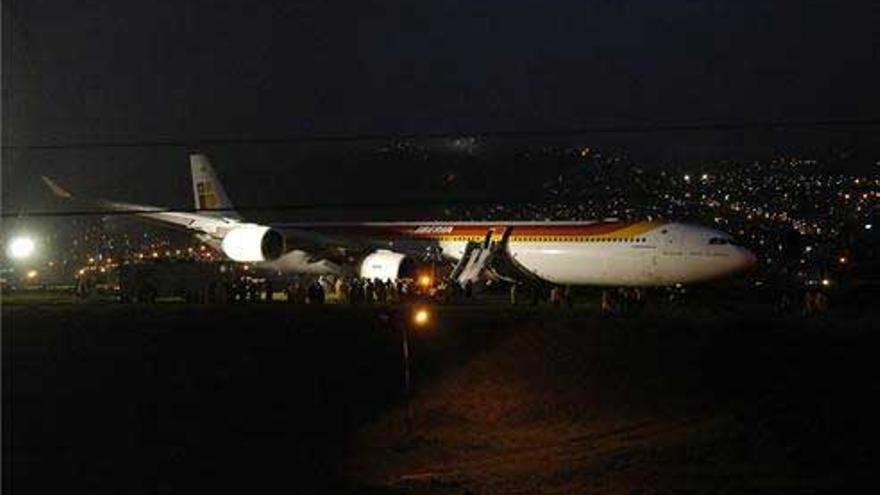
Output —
(21, 248)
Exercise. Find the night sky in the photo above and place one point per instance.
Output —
(125, 70)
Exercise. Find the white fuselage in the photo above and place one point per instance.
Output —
(640, 254)
(671, 254)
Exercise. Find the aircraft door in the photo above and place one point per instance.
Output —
(669, 255)
(649, 265)
(671, 240)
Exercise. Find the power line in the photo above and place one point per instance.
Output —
(268, 208)
(352, 138)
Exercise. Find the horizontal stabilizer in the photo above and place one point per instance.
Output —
(56, 189)
(207, 224)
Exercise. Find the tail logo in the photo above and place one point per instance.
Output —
(207, 196)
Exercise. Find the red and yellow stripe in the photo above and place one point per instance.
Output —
(599, 232)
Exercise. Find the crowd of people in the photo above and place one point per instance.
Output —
(335, 289)
(345, 290)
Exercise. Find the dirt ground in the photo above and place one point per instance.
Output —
(170, 398)
(729, 404)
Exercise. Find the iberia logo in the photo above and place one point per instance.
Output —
(207, 197)
(434, 229)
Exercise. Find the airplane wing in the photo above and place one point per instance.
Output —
(213, 229)
(215, 221)
(195, 222)
(334, 246)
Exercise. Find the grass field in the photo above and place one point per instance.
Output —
(166, 398)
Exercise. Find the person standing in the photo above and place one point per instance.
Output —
(341, 290)
(555, 296)
(269, 289)
(607, 303)
(355, 294)
(381, 294)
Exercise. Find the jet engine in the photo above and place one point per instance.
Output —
(388, 265)
(251, 242)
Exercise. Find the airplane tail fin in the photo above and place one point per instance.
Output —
(208, 192)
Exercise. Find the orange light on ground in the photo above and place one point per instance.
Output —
(826, 282)
(425, 280)
(31, 274)
(421, 317)
(843, 260)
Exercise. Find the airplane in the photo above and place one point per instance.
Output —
(602, 253)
